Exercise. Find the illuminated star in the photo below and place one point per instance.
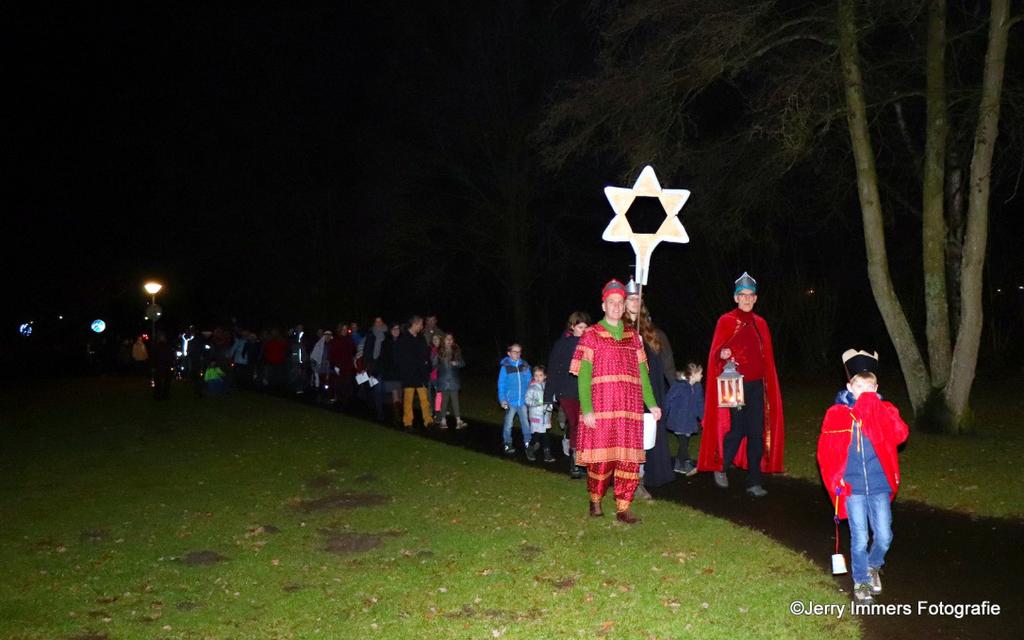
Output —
(671, 230)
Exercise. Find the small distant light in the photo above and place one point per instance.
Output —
(810, 292)
(98, 326)
(60, 317)
(145, 337)
(178, 353)
(25, 328)
(1020, 287)
(999, 290)
(207, 346)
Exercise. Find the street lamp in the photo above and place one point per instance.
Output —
(153, 313)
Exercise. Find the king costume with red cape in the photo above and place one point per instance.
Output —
(716, 421)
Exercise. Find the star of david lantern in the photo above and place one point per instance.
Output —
(730, 387)
(671, 229)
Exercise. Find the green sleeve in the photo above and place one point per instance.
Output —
(645, 382)
(586, 376)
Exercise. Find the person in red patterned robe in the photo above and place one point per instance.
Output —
(614, 385)
(750, 437)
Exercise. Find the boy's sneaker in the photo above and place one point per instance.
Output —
(510, 450)
(876, 580)
(547, 456)
(862, 593)
(460, 423)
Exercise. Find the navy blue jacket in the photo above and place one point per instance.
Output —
(684, 407)
(561, 383)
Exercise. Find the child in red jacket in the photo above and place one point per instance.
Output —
(860, 467)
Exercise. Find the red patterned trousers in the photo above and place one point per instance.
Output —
(626, 478)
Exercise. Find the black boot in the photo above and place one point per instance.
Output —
(547, 455)
(531, 449)
(575, 471)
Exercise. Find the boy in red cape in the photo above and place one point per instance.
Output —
(860, 467)
(750, 437)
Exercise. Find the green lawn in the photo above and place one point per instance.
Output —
(975, 474)
(317, 525)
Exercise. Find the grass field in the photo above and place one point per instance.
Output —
(975, 474)
(251, 517)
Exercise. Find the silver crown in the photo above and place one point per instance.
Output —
(632, 288)
(746, 282)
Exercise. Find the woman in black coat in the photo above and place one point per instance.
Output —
(563, 387)
(658, 467)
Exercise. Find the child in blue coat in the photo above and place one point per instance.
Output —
(684, 407)
(513, 380)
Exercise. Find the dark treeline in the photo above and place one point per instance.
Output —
(327, 164)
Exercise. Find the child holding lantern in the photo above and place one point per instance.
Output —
(860, 467)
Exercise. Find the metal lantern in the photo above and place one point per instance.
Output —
(730, 387)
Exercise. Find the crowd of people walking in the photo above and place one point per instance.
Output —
(613, 385)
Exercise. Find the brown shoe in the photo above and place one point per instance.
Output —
(595, 510)
(627, 517)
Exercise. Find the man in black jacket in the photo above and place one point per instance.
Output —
(412, 357)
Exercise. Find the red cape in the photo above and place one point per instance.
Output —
(717, 421)
(881, 424)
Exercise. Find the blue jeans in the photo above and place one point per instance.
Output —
(524, 424)
(863, 510)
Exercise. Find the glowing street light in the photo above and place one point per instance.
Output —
(153, 313)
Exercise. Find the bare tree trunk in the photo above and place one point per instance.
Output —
(965, 354)
(915, 374)
(933, 222)
(954, 224)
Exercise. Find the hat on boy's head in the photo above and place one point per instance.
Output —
(859, 362)
(613, 286)
(745, 282)
(632, 288)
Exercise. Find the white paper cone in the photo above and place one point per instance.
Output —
(838, 564)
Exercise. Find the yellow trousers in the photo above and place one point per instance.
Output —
(407, 405)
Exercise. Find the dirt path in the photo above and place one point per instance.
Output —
(937, 556)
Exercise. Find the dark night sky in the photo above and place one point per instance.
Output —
(232, 153)
(156, 141)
